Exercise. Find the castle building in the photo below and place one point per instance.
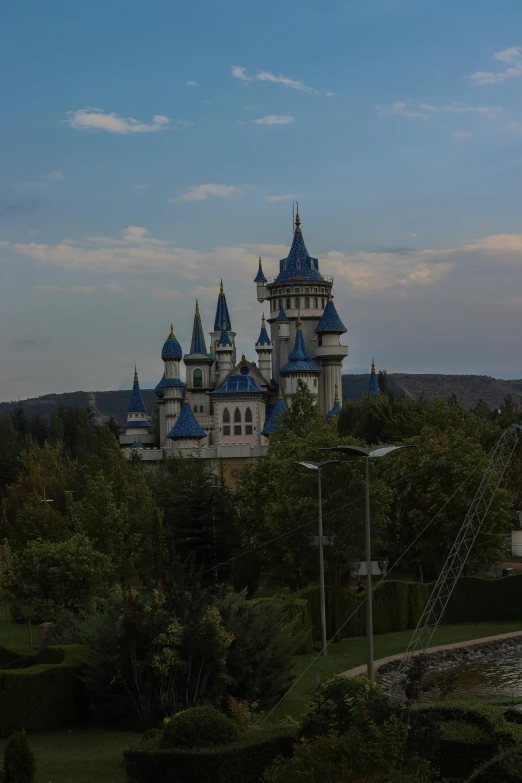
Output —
(226, 410)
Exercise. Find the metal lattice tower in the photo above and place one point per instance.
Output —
(436, 606)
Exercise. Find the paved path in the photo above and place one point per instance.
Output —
(360, 670)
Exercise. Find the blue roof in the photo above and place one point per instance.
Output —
(164, 383)
(281, 316)
(273, 422)
(133, 424)
(197, 344)
(136, 404)
(263, 339)
(222, 313)
(330, 321)
(260, 278)
(334, 412)
(137, 444)
(374, 385)
(300, 360)
(298, 265)
(224, 340)
(171, 348)
(238, 384)
(186, 425)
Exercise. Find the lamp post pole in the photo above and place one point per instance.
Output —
(368, 547)
(321, 565)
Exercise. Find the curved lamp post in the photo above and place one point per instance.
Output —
(373, 451)
(318, 466)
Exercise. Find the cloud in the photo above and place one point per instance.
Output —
(287, 197)
(274, 119)
(515, 127)
(425, 110)
(462, 134)
(55, 174)
(80, 289)
(96, 119)
(191, 83)
(238, 72)
(512, 57)
(203, 192)
(142, 186)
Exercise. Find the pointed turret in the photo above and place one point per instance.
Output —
(300, 359)
(198, 362)
(171, 348)
(197, 344)
(222, 311)
(374, 385)
(138, 422)
(273, 422)
(169, 389)
(264, 348)
(299, 266)
(224, 352)
(260, 277)
(186, 426)
(337, 405)
(222, 323)
(136, 404)
(330, 321)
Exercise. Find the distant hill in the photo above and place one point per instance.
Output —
(468, 388)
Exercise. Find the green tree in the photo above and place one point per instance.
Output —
(19, 763)
(49, 577)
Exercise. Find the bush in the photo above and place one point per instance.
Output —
(344, 703)
(504, 768)
(44, 692)
(241, 762)
(199, 727)
(298, 610)
(246, 573)
(19, 765)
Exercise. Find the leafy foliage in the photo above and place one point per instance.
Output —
(19, 763)
(199, 727)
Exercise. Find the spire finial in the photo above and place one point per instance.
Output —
(171, 335)
(373, 363)
(259, 260)
(224, 325)
(293, 216)
(336, 400)
(280, 395)
(297, 218)
(330, 297)
(298, 319)
(263, 325)
(135, 374)
(197, 307)
(221, 287)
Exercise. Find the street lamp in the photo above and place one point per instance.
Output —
(318, 466)
(374, 451)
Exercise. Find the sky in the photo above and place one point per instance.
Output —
(151, 148)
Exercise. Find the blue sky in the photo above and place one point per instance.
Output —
(152, 148)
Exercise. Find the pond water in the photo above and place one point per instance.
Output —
(485, 680)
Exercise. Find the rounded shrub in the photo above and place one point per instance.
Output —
(344, 703)
(19, 764)
(199, 727)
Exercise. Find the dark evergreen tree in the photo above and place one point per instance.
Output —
(19, 763)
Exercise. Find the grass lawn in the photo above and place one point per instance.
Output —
(19, 633)
(82, 755)
(352, 652)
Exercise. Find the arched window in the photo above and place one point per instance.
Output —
(201, 408)
(322, 302)
(248, 419)
(316, 302)
(315, 381)
(248, 415)
(297, 303)
(307, 302)
(288, 304)
(226, 422)
(197, 378)
(237, 422)
(298, 264)
(195, 408)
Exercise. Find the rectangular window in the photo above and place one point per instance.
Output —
(307, 290)
(248, 429)
(296, 290)
(226, 430)
(237, 429)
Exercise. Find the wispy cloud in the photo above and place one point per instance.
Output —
(287, 197)
(56, 175)
(96, 119)
(275, 119)
(53, 176)
(202, 192)
(142, 186)
(461, 135)
(515, 127)
(88, 290)
(511, 57)
(191, 83)
(238, 72)
(423, 111)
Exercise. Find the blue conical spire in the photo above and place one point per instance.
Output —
(374, 386)
(330, 321)
(197, 344)
(298, 265)
(300, 360)
(224, 340)
(337, 405)
(136, 404)
(260, 278)
(186, 425)
(263, 339)
(222, 312)
(273, 422)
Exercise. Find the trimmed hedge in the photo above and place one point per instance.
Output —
(504, 768)
(241, 762)
(398, 606)
(297, 607)
(41, 689)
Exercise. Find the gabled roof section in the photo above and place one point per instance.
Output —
(300, 360)
(197, 344)
(282, 316)
(374, 384)
(330, 321)
(263, 338)
(272, 424)
(171, 348)
(298, 265)
(186, 425)
(238, 384)
(260, 278)
(136, 404)
(222, 312)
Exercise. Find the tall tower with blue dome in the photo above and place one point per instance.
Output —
(169, 390)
